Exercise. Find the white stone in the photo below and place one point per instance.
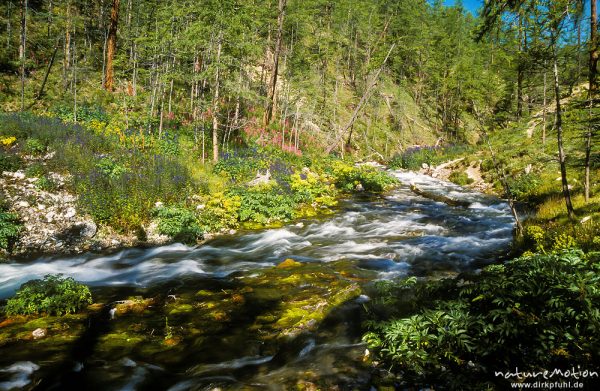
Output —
(159, 204)
(38, 333)
(70, 213)
(23, 204)
(200, 207)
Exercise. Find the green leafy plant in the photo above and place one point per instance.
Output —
(54, 295)
(36, 170)
(178, 223)
(9, 162)
(110, 168)
(45, 183)
(220, 212)
(265, 204)
(10, 228)
(538, 311)
(34, 146)
(460, 178)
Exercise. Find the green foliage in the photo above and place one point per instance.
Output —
(54, 295)
(34, 146)
(524, 186)
(110, 168)
(35, 170)
(178, 223)
(10, 228)
(46, 183)
(347, 177)
(220, 213)
(414, 158)
(539, 311)
(9, 162)
(460, 178)
(265, 204)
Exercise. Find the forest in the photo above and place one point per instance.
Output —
(299, 194)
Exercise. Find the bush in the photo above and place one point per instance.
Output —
(348, 177)
(54, 295)
(178, 223)
(263, 204)
(36, 170)
(45, 183)
(110, 168)
(220, 213)
(460, 178)
(9, 162)
(524, 186)
(10, 228)
(540, 311)
(413, 158)
(33, 146)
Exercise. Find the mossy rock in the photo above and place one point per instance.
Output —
(288, 264)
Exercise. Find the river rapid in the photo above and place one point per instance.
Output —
(203, 324)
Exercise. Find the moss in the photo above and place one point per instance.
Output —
(288, 263)
(180, 309)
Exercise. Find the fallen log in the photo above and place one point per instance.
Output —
(439, 197)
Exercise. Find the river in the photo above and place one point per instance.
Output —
(216, 315)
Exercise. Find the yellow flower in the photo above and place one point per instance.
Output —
(7, 141)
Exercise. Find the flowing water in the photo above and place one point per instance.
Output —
(367, 239)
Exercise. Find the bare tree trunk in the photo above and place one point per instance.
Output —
(215, 105)
(67, 55)
(561, 151)
(271, 99)
(544, 109)
(22, 50)
(592, 93)
(520, 70)
(360, 103)
(50, 63)
(111, 45)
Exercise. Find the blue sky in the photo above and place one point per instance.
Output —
(471, 5)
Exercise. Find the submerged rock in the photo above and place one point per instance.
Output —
(288, 263)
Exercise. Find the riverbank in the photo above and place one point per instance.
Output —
(273, 307)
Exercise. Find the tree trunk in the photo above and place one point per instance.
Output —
(360, 103)
(273, 84)
(22, 50)
(544, 109)
(592, 92)
(111, 46)
(215, 105)
(561, 151)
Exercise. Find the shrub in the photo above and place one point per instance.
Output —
(36, 170)
(47, 184)
(220, 213)
(9, 162)
(54, 295)
(110, 168)
(309, 187)
(540, 311)
(460, 178)
(524, 186)
(178, 223)
(413, 158)
(265, 204)
(34, 146)
(347, 177)
(10, 228)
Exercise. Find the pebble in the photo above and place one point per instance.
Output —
(38, 333)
